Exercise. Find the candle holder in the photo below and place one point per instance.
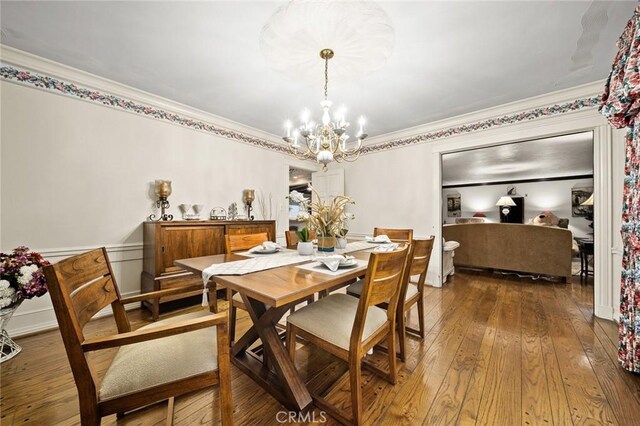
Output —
(162, 190)
(248, 196)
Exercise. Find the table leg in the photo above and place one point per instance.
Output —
(290, 389)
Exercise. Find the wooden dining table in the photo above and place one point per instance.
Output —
(268, 295)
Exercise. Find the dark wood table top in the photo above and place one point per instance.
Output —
(278, 286)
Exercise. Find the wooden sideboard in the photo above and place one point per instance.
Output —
(167, 241)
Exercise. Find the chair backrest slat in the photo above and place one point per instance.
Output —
(292, 238)
(91, 298)
(240, 242)
(78, 270)
(397, 235)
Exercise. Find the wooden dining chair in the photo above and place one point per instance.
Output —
(234, 243)
(348, 327)
(292, 238)
(411, 293)
(395, 235)
(157, 362)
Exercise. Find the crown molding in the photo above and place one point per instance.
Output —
(34, 71)
(550, 104)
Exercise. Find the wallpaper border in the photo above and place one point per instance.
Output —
(16, 75)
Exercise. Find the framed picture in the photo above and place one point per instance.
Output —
(579, 196)
(453, 205)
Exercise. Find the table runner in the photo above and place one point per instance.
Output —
(356, 246)
(282, 252)
(254, 264)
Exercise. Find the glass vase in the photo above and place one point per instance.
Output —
(8, 347)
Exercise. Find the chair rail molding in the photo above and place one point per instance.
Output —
(23, 68)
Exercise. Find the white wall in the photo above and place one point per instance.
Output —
(539, 196)
(77, 175)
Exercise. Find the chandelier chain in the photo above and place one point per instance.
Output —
(326, 76)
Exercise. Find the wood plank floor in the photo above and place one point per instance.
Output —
(497, 351)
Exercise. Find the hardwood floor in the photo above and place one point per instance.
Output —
(497, 351)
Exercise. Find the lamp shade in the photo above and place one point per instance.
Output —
(588, 202)
(479, 214)
(505, 201)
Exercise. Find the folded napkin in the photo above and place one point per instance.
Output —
(332, 262)
(267, 245)
(379, 239)
(386, 247)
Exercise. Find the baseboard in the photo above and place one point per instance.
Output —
(605, 312)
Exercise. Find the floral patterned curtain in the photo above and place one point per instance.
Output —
(621, 106)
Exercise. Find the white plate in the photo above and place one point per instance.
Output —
(348, 263)
(265, 251)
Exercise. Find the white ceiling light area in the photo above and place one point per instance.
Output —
(560, 156)
(448, 58)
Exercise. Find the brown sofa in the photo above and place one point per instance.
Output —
(513, 247)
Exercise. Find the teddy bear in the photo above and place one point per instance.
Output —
(546, 218)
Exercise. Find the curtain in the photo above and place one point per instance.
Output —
(620, 105)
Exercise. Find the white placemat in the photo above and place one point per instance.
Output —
(319, 267)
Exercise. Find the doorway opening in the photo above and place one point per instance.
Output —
(299, 180)
(521, 208)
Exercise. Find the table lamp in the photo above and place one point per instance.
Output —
(505, 202)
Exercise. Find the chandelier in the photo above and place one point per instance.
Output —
(328, 140)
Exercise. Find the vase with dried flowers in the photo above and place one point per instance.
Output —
(324, 217)
(21, 278)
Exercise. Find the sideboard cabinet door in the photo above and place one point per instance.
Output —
(183, 242)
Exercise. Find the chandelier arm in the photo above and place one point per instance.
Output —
(355, 150)
(350, 158)
(310, 148)
(298, 155)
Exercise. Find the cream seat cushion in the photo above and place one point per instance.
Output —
(154, 362)
(331, 319)
(237, 297)
(356, 288)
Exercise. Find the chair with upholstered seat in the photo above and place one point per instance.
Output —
(234, 243)
(292, 238)
(395, 235)
(411, 294)
(157, 362)
(348, 327)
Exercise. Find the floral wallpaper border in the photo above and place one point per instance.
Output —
(10, 73)
(532, 114)
(14, 74)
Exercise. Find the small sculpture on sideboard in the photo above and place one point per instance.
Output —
(232, 213)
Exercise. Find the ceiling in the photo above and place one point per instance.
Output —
(569, 155)
(449, 58)
(298, 176)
